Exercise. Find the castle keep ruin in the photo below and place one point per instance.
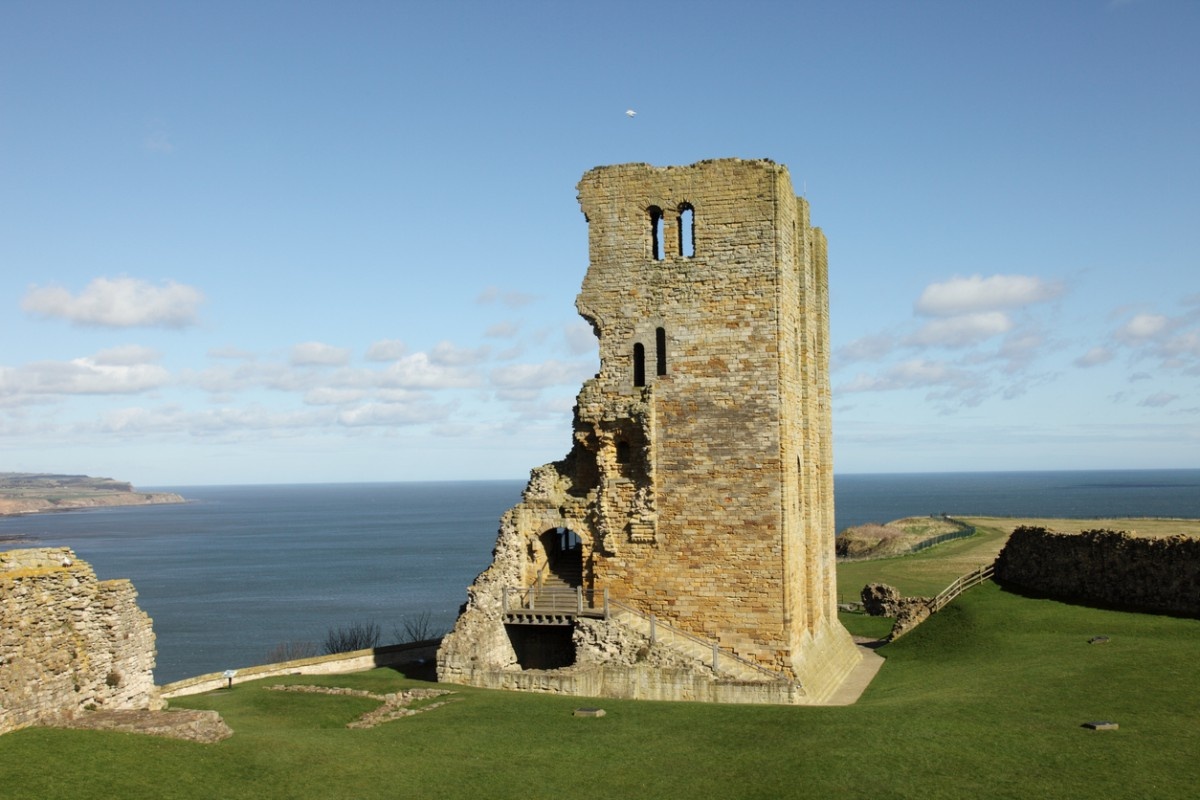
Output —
(684, 547)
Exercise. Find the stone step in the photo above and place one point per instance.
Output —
(727, 667)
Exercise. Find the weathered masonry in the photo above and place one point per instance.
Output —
(69, 642)
(684, 547)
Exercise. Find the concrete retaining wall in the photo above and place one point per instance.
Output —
(336, 664)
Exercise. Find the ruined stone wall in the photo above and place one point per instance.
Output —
(700, 477)
(69, 642)
(1111, 568)
(736, 474)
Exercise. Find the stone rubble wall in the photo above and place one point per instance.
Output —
(68, 642)
(1110, 568)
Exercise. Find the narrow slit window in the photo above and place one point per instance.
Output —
(687, 230)
(622, 452)
(660, 350)
(656, 232)
(639, 364)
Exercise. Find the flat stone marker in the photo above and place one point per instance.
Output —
(588, 712)
(1101, 725)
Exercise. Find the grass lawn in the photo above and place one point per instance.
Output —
(986, 699)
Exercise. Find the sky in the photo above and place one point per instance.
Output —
(262, 242)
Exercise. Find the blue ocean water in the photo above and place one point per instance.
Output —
(240, 569)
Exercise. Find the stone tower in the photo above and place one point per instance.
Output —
(696, 504)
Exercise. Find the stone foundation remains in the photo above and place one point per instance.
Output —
(697, 499)
(69, 643)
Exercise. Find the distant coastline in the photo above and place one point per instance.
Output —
(34, 493)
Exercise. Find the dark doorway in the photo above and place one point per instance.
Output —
(564, 558)
(542, 646)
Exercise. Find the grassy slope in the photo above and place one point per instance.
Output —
(986, 699)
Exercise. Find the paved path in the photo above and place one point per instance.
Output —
(859, 678)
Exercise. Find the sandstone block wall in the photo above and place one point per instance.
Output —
(700, 481)
(1111, 568)
(69, 642)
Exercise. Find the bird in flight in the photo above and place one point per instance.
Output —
(630, 113)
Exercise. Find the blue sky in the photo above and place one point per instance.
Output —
(263, 242)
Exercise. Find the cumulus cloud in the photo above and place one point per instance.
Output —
(81, 376)
(118, 303)
(387, 350)
(1142, 327)
(977, 294)
(1094, 357)
(319, 354)
(418, 371)
(962, 331)
(537, 376)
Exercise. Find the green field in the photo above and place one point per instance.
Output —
(986, 699)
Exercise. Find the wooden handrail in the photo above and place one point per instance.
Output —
(960, 585)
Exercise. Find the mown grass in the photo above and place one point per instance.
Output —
(986, 699)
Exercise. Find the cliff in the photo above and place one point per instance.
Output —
(26, 493)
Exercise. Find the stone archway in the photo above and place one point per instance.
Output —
(564, 558)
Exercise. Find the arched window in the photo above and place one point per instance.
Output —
(639, 364)
(656, 232)
(687, 230)
(660, 350)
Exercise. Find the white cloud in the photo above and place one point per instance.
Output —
(867, 348)
(1094, 357)
(1158, 400)
(118, 303)
(510, 299)
(80, 376)
(502, 330)
(230, 352)
(538, 376)
(962, 331)
(319, 354)
(388, 414)
(581, 339)
(419, 372)
(1141, 327)
(386, 350)
(450, 355)
(328, 396)
(127, 355)
(976, 294)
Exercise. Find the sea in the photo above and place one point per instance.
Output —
(239, 570)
